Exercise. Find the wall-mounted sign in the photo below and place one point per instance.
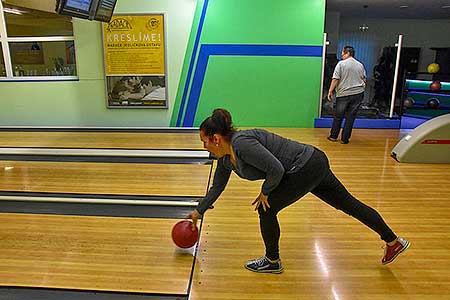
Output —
(135, 61)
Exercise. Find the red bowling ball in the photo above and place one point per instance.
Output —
(183, 235)
(435, 86)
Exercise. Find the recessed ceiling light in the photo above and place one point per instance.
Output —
(445, 6)
(13, 11)
(404, 6)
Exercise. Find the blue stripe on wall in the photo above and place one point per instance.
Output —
(262, 50)
(240, 50)
(197, 83)
(191, 64)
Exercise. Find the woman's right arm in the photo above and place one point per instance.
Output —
(221, 177)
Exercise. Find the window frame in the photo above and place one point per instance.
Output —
(5, 40)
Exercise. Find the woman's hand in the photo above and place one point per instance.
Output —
(194, 216)
(261, 200)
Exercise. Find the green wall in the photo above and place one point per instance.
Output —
(296, 22)
(262, 91)
(82, 103)
(278, 91)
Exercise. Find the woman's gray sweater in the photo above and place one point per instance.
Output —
(259, 155)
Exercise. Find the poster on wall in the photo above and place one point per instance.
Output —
(135, 61)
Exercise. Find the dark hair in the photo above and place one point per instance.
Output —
(350, 50)
(219, 122)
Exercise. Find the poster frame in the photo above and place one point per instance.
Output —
(125, 105)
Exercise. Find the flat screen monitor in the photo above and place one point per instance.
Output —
(75, 8)
(100, 10)
(105, 10)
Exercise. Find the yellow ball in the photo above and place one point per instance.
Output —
(433, 68)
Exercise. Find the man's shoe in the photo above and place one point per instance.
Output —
(391, 252)
(332, 139)
(344, 142)
(263, 265)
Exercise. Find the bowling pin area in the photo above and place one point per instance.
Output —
(89, 214)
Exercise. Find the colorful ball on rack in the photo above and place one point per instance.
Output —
(435, 86)
(408, 102)
(433, 103)
(433, 68)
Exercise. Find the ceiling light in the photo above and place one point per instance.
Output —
(12, 11)
(445, 6)
(404, 6)
(363, 27)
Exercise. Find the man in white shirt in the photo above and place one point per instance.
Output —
(349, 81)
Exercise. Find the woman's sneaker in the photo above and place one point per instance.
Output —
(264, 265)
(391, 252)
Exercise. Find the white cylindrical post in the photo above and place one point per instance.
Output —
(324, 51)
(397, 65)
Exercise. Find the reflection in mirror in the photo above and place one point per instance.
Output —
(27, 22)
(43, 58)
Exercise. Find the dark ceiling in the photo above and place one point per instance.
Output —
(416, 9)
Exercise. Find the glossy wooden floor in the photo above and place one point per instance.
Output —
(104, 178)
(92, 253)
(111, 140)
(326, 254)
(97, 253)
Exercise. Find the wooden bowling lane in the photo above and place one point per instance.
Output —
(159, 140)
(110, 140)
(360, 137)
(92, 253)
(104, 178)
(327, 254)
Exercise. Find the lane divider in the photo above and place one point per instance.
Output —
(98, 201)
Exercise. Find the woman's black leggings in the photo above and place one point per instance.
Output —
(317, 178)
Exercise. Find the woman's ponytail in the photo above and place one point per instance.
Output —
(219, 122)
